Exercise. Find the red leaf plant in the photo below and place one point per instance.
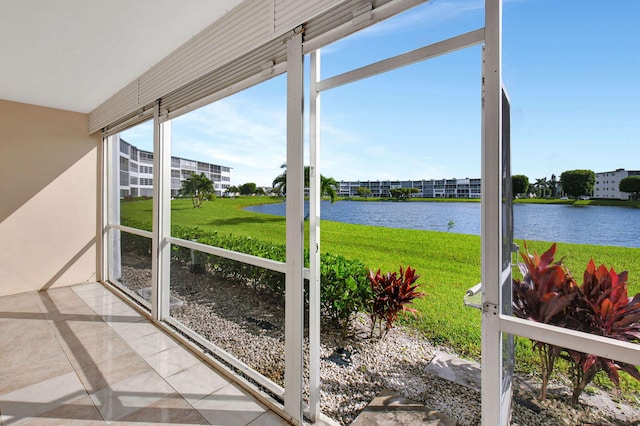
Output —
(391, 295)
(600, 306)
(605, 310)
(544, 295)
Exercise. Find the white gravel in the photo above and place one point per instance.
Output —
(355, 369)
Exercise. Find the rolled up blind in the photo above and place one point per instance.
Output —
(244, 42)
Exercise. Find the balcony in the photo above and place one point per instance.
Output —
(80, 355)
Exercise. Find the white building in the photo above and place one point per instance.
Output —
(136, 172)
(432, 188)
(608, 184)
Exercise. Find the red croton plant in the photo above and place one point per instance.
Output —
(391, 294)
(548, 293)
(606, 311)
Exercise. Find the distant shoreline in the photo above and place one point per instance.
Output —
(591, 202)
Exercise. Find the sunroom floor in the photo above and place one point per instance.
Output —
(81, 356)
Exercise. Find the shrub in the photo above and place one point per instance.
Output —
(606, 311)
(549, 294)
(391, 295)
(344, 288)
(544, 293)
(135, 243)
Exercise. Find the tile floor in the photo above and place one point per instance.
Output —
(80, 356)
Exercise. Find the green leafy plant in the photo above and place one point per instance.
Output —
(601, 306)
(198, 187)
(344, 289)
(133, 243)
(391, 295)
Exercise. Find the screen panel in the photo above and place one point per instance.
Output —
(508, 344)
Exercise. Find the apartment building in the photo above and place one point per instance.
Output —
(136, 172)
(608, 184)
(433, 188)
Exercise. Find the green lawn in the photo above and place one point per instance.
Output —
(448, 263)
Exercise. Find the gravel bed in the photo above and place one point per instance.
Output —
(355, 368)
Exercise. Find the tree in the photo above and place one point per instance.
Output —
(247, 188)
(520, 184)
(233, 190)
(576, 183)
(540, 187)
(631, 184)
(553, 186)
(329, 188)
(364, 192)
(280, 182)
(402, 193)
(328, 185)
(198, 187)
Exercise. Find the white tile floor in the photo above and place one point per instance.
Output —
(81, 356)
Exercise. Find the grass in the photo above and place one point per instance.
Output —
(448, 263)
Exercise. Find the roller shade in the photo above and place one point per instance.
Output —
(244, 43)
(259, 61)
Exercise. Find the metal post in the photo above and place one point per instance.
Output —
(492, 216)
(294, 280)
(160, 292)
(314, 239)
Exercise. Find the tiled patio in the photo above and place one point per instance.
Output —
(81, 356)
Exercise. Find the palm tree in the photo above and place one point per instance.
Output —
(328, 186)
(197, 187)
(280, 182)
(553, 186)
(541, 187)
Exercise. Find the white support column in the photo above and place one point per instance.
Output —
(294, 281)
(314, 239)
(111, 210)
(491, 216)
(160, 248)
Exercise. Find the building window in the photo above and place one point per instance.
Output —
(146, 157)
(124, 164)
(124, 147)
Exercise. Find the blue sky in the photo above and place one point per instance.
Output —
(572, 70)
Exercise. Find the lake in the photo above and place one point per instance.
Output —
(600, 225)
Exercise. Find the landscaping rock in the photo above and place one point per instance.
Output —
(250, 325)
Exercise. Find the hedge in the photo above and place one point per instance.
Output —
(344, 290)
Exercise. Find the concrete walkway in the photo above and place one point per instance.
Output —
(388, 409)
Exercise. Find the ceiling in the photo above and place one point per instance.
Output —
(75, 54)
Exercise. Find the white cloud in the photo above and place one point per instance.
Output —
(140, 136)
(247, 135)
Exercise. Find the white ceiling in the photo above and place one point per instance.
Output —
(75, 54)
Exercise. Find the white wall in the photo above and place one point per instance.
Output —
(608, 185)
(48, 195)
